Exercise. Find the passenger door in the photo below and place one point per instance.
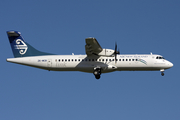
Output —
(49, 63)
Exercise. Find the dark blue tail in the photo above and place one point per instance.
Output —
(21, 48)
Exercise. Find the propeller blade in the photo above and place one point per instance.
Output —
(115, 47)
(116, 52)
(115, 58)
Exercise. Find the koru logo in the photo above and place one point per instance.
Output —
(21, 46)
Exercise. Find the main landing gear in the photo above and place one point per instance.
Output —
(97, 73)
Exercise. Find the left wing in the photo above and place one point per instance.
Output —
(92, 47)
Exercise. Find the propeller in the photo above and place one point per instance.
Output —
(116, 52)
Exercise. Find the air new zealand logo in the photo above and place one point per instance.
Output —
(21, 46)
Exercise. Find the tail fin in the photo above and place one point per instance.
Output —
(21, 48)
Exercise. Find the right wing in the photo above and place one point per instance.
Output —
(92, 47)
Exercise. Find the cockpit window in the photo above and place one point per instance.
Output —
(159, 57)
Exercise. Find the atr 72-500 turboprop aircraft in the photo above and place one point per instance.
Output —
(97, 60)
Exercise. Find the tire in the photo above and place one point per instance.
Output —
(97, 76)
(162, 74)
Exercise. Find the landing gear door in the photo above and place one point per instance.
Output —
(49, 63)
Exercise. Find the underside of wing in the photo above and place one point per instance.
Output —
(92, 47)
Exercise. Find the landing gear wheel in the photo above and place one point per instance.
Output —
(162, 74)
(97, 76)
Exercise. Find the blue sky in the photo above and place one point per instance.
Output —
(60, 27)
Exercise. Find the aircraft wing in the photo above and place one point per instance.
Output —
(92, 47)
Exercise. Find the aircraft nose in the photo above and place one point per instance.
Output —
(170, 64)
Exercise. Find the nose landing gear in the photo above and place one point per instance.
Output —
(162, 72)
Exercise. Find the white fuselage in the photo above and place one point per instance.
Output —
(139, 62)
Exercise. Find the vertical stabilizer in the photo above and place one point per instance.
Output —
(21, 48)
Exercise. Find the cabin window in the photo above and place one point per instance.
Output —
(119, 59)
(136, 59)
(92, 59)
(89, 59)
(62, 60)
(129, 59)
(99, 60)
(122, 59)
(112, 59)
(72, 60)
(103, 60)
(106, 59)
(75, 59)
(109, 59)
(132, 59)
(59, 60)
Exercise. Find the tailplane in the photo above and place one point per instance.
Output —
(21, 48)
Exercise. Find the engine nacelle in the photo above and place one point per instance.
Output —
(111, 67)
(106, 52)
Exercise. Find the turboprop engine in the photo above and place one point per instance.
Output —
(107, 52)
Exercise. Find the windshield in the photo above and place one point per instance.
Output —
(160, 57)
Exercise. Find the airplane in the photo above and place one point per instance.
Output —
(97, 60)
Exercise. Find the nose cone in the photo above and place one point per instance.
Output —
(170, 65)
